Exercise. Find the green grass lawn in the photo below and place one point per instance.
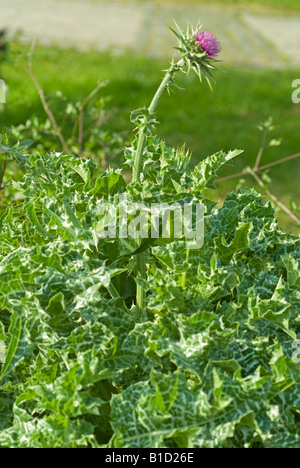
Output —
(207, 121)
(281, 5)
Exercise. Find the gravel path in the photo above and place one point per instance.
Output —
(248, 39)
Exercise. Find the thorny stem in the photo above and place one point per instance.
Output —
(113, 292)
(137, 169)
(80, 130)
(3, 172)
(183, 279)
(141, 273)
(115, 295)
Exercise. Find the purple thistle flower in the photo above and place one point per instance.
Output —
(208, 43)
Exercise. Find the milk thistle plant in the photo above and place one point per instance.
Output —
(124, 342)
(198, 51)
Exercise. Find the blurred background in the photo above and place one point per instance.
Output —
(126, 45)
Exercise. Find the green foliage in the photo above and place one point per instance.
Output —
(208, 365)
(131, 79)
(240, 100)
(208, 359)
(78, 127)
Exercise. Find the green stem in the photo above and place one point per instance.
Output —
(3, 172)
(141, 273)
(115, 295)
(113, 292)
(137, 169)
(183, 278)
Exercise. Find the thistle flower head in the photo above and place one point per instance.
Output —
(208, 43)
(198, 51)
